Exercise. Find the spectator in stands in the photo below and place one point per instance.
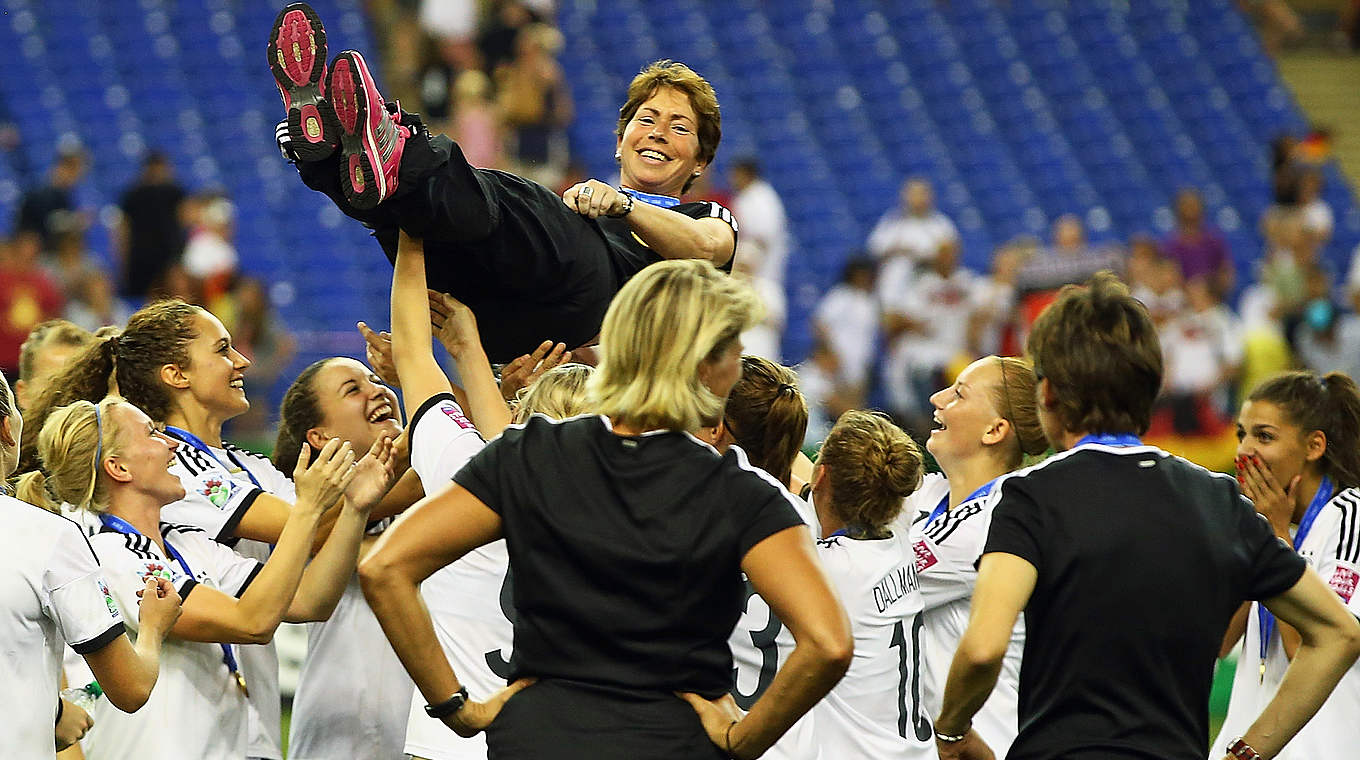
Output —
(1203, 348)
(1197, 248)
(762, 252)
(150, 229)
(44, 209)
(248, 315)
(846, 323)
(476, 126)
(1158, 284)
(43, 354)
(827, 395)
(1317, 217)
(536, 105)
(927, 332)
(93, 304)
(498, 39)
(1279, 24)
(28, 296)
(991, 328)
(1328, 340)
(1069, 260)
(70, 262)
(913, 229)
(1353, 281)
(210, 257)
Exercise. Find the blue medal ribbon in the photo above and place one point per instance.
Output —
(1109, 439)
(193, 440)
(123, 526)
(943, 506)
(655, 199)
(1263, 616)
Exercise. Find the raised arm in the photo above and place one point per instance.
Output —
(1329, 645)
(458, 334)
(1004, 585)
(785, 571)
(421, 376)
(210, 615)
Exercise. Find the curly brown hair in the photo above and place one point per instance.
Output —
(156, 335)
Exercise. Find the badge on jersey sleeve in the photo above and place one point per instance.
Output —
(454, 413)
(1343, 582)
(924, 556)
(108, 599)
(218, 491)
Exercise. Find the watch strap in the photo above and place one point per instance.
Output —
(1243, 751)
(449, 706)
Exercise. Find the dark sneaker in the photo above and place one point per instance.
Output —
(371, 142)
(297, 58)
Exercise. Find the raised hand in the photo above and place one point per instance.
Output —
(373, 475)
(378, 351)
(1267, 494)
(323, 482)
(454, 324)
(158, 608)
(523, 371)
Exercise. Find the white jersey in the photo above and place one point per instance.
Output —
(946, 552)
(53, 594)
(875, 711)
(220, 484)
(760, 646)
(1332, 549)
(331, 717)
(470, 601)
(196, 709)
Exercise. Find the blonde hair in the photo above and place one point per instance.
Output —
(1013, 397)
(702, 98)
(560, 393)
(873, 465)
(74, 442)
(663, 324)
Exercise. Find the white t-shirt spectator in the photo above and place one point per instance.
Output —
(1317, 218)
(916, 237)
(944, 305)
(52, 593)
(850, 318)
(1339, 354)
(1199, 347)
(208, 254)
(764, 231)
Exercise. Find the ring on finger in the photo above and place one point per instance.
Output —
(587, 190)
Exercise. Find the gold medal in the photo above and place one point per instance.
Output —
(241, 683)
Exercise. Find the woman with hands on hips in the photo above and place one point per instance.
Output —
(626, 537)
(111, 459)
(1298, 461)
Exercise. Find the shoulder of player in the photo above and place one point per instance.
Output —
(706, 210)
(112, 546)
(1338, 526)
(255, 461)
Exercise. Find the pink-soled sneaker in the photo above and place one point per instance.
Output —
(297, 58)
(371, 143)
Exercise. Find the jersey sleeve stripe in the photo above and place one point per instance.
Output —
(946, 527)
(228, 530)
(102, 640)
(1348, 543)
(249, 579)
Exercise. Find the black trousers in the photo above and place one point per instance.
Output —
(530, 268)
(566, 720)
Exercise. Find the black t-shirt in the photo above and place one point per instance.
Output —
(630, 255)
(626, 551)
(155, 237)
(1143, 558)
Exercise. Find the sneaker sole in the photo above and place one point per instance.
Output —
(297, 59)
(361, 171)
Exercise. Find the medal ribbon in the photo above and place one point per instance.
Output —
(193, 440)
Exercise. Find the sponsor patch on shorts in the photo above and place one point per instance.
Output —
(1343, 582)
(924, 556)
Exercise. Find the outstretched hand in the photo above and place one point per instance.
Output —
(523, 371)
(454, 324)
(373, 475)
(378, 351)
